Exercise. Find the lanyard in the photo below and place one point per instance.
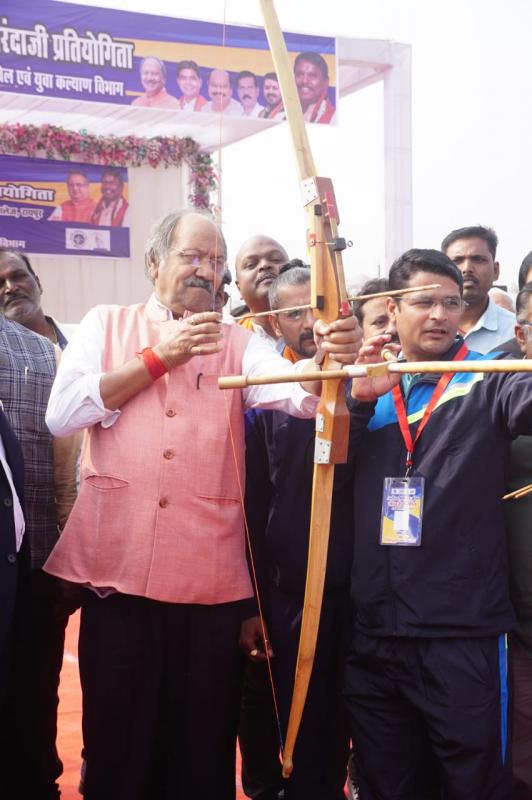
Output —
(401, 410)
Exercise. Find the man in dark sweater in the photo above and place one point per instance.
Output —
(279, 465)
(11, 533)
(518, 513)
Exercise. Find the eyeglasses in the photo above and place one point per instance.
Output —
(194, 258)
(452, 305)
(296, 315)
(526, 327)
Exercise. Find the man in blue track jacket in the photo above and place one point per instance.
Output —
(425, 679)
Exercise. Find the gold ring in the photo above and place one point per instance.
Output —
(254, 652)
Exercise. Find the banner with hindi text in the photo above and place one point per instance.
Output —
(72, 51)
(62, 207)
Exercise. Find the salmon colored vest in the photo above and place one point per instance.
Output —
(159, 512)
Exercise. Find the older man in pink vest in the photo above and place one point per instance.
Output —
(157, 533)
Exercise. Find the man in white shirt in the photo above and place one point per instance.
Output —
(248, 90)
(257, 264)
(220, 94)
(156, 531)
(483, 323)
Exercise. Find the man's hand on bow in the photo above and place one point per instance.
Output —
(340, 340)
(369, 389)
(197, 335)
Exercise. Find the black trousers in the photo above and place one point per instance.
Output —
(29, 763)
(428, 718)
(258, 735)
(322, 747)
(161, 689)
(521, 668)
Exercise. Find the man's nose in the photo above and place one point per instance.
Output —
(391, 328)
(265, 265)
(466, 266)
(438, 311)
(308, 319)
(206, 269)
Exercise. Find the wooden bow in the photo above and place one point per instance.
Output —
(328, 295)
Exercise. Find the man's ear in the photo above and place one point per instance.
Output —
(37, 281)
(151, 268)
(274, 322)
(496, 270)
(520, 336)
(391, 307)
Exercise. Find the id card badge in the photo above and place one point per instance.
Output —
(402, 511)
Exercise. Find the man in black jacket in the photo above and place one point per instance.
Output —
(279, 465)
(11, 532)
(518, 513)
(425, 677)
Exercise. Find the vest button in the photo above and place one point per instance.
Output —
(170, 412)
(168, 454)
(12, 558)
(163, 502)
(8, 502)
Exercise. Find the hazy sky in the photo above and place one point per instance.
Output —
(472, 126)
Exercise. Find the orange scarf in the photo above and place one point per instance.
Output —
(290, 354)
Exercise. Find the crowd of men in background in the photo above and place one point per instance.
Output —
(410, 694)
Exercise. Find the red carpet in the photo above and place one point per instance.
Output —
(69, 733)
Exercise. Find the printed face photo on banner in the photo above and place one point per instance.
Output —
(184, 64)
(57, 207)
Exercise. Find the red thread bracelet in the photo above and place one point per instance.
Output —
(155, 365)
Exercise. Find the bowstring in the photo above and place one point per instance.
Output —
(241, 491)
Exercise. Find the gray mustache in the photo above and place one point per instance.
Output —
(199, 283)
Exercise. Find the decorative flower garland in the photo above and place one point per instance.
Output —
(52, 142)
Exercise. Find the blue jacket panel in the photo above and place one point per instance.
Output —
(456, 582)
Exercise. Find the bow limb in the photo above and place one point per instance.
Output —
(328, 294)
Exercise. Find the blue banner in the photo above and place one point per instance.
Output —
(62, 207)
(62, 50)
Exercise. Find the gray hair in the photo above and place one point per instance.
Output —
(296, 276)
(162, 233)
(162, 65)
